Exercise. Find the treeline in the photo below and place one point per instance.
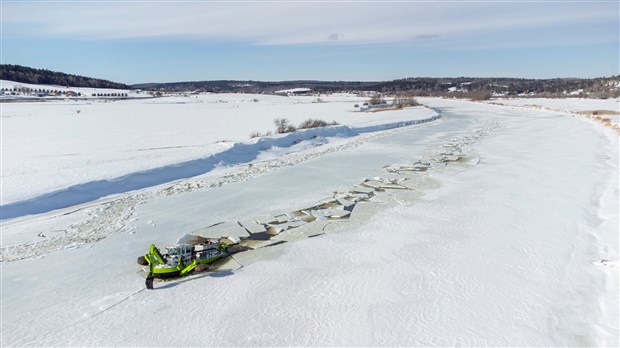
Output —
(24, 74)
(249, 86)
(603, 87)
(460, 87)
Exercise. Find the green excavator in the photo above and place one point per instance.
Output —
(181, 259)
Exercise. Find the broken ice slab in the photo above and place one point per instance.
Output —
(346, 203)
(338, 195)
(268, 220)
(297, 223)
(231, 228)
(307, 218)
(275, 229)
(347, 198)
(359, 197)
(253, 226)
(444, 159)
(454, 147)
(471, 160)
(373, 184)
(301, 215)
(294, 235)
(308, 230)
(408, 184)
(327, 204)
(362, 189)
(282, 218)
(406, 196)
(230, 240)
(397, 169)
(416, 167)
(298, 215)
(424, 183)
(382, 183)
(420, 167)
(451, 153)
(393, 186)
(363, 211)
(331, 213)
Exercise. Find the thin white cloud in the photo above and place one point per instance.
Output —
(296, 23)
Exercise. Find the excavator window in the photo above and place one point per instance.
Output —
(173, 251)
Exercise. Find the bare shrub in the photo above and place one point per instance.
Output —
(481, 94)
(403, 100)
(315, 123)
(254, 135)
(602, 112)
(312, 123)
(283, 125)
(376, 99)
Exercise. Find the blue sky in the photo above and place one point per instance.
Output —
(165, 41)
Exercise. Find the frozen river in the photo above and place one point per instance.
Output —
(502, 249)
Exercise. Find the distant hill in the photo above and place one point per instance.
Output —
(459, 87)
(25, 74)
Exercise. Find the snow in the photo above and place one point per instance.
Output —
(53, 145)
(294, 90)
(508, 238)
(569, 105)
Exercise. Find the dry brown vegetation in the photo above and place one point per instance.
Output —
(376, 99)
(405, 99)
(315, 123)
(386, 108)
(600, 112)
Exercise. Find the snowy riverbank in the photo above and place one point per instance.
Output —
(55, 145)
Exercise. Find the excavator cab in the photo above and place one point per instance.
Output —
(178, 252)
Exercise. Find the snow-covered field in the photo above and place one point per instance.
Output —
(508, 237)
(48, 146)
(570, 104)
(575, 105)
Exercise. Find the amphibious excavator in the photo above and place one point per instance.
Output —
(181, 259)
